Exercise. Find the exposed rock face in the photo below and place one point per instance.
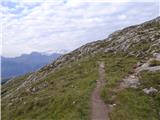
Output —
(139, 40)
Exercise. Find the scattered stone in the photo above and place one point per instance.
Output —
(132, 82)
(74, 102)
(34, 90)
(132, 76)
(45, 85)
(151, 90)
(114, 104)
(156, 55)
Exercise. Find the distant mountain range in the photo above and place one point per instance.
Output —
(25, 63)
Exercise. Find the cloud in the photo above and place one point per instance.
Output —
(65, 24)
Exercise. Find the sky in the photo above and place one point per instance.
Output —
(58, 25)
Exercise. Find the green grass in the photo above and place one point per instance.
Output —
(66, 97)
(117, 67)
(150, 79)
(134, 104)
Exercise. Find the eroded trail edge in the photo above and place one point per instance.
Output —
(99, 110)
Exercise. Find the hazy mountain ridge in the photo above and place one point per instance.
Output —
(20, 65)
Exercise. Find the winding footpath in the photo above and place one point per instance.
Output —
(99, 110)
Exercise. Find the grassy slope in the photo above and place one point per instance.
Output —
(68, 93)
(65, 98)
(13, 84)
(134, 104)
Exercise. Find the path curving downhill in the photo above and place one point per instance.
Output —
(99, 110)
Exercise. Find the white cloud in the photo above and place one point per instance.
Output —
(42, 26)
(122, 17)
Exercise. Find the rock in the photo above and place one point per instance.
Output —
(114, 104)
(132, 76)
(109, 50)
(132, 82)
(45, 85)
(74, 102)
(34, 90)
(151, 90)
(156, 55)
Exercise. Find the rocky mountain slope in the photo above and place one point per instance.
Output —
(61, 90)
(139, 40)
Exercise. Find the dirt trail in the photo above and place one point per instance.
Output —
(99, 110)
